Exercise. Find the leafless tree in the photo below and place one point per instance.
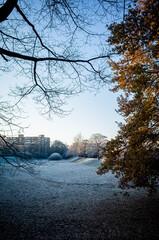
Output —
(97, 143)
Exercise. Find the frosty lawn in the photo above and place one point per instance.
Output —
(68, 200)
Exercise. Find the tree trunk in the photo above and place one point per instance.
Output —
(6, 9)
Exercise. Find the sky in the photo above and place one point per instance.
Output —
(90, 114)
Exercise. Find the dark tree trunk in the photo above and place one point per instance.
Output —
(6, 9)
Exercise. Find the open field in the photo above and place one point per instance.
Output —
(68, 200)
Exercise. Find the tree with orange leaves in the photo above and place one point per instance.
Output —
(134, 154)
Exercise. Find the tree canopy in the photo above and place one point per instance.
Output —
(59, 147)
(134, 154)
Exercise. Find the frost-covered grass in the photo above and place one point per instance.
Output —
(89, 161)
(66, 199)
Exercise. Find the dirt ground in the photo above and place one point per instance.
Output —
(68, 200)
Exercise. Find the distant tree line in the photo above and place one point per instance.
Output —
(92, 147)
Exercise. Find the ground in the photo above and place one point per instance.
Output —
(68, 200)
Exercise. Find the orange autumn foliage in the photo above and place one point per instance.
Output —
(134, 154)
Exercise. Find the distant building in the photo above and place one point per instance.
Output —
(37, 146)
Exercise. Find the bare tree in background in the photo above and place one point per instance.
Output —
(46, 46)
(97, 143)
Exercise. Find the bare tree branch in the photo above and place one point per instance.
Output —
(40, 59)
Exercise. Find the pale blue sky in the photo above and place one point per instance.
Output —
(91, 113)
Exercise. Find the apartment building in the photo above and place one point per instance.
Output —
(38, 146)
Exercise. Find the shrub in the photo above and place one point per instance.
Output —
(55, 156)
